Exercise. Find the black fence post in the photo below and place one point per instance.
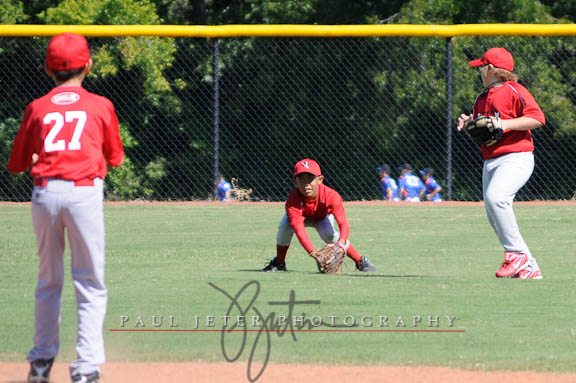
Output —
(216, 120)
(449, 128)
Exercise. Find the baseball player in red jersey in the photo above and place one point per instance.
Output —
(68, 136)
(509, 162)
(313, 204)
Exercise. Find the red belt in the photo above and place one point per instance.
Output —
(43, 182)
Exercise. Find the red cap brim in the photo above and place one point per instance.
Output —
(475, 63)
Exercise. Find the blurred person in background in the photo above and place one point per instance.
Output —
(432, 192)
(388, 185)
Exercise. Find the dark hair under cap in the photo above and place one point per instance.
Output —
(384, 168)
(407, 167)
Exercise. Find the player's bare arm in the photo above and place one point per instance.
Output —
(521, 123)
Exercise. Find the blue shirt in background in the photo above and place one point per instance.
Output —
(432, 185)
(223, 187)
(410, 186)
(389, 182)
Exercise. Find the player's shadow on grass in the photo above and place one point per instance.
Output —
(351, 274)
(376, 275)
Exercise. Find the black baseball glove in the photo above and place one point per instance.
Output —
(486, 130)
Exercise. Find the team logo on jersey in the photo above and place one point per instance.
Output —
(65, 98)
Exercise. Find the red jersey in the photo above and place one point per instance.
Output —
(328, 201)
(508, 101)
(74, 132)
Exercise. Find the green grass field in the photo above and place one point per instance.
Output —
(432, 260)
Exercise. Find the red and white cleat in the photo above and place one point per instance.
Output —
(513, 264)
(528, 273)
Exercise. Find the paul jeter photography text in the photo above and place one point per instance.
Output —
(243, 317)
(242, 313)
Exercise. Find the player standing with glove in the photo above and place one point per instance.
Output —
(69, 136)
(504, 114)
(313, 204)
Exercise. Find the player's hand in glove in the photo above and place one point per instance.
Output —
(329, 259)
(486, 130)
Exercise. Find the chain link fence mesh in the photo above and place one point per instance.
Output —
(350, 103)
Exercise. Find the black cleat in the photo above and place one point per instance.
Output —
(40, 371)
(365, 265)
(275, 266)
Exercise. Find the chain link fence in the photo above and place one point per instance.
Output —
(350, 103)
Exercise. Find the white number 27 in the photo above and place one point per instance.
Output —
(50, 143)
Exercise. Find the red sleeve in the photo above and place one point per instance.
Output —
(23, 148)
(337, 205)
(112, 148)
(531, 107)
(296, 220)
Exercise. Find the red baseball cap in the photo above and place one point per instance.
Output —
(499, 57)
(67, 51)
(307, 166)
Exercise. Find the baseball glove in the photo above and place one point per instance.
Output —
(329, 259)
(486, 130)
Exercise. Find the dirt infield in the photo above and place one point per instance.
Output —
(284, 373)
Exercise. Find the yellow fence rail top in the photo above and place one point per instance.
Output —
(285, 30)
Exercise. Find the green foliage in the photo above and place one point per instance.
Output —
(115, 12)
(474, 12)
(11, 12)
(564, 11)
(218, 12)
(373, 95)
(156, 170)
(8, 130)
(127, 182)
(128, 140)
(151, 55)
(10, 183)
(428, 12)
(105, 63)
(277, 11)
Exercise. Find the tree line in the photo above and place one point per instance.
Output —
(350, 103)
